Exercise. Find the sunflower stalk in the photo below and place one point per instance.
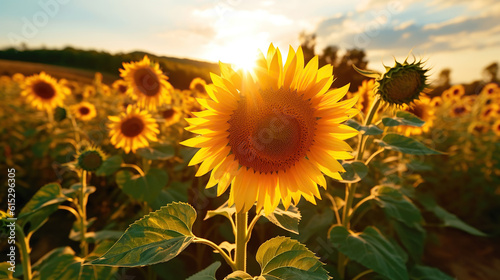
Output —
(241, 241)
(351, 188)
(83, 215)
(25, 256)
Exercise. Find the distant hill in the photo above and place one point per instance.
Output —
(180, 71)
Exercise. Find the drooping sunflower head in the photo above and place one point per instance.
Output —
(133, 129)
(84, 111)
(403, 83)
(120, 86)
(90, 159)
(273, 133)
(198, 84)
(146, 83)
(171, 115)
(43, 92)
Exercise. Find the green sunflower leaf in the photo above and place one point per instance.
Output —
(420, 272)
(366, 130)
(403, 144)
(61, 263)
(144, 188)
(285, 258)
(449, 219)
(158, 237)
(355, 171)
(41, 206)
(371, 249)
(395, 205)
(110, 166)
(157, 152)
(207, 273)
(285, 219)
(403, 118)
(239, 275)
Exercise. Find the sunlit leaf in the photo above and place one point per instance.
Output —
(371, 249)
(158, 237)
(239, 275)
(355, 171)
(286, 219)
(403, 118)
(285, 258)
(207, 273)
(405, 145)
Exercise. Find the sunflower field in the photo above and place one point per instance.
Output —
(272, 173)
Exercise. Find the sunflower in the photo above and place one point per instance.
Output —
(120, 86)
(422, 109)
(88, 91)
(84, 111)
(365, 92)
(272, 133)
(198, 84)
(18, 78)
(90, 159)
(43, 92)
(478, 128)
(496, 127)
(455, 92)
(490, 89)
(133, 129)
(489, 111)
(436, 101)
(147, 84)
(171, 115)
(459, 109)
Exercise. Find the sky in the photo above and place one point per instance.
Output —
(457, 34)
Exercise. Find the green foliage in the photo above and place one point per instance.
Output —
(110, 166)
(158, 237)
(366, 130)
(405, 145)
(355, 171)
(157, 152)
(420, 272)
(449, 219)
(45, 202)
(285, 258)
(396, 205)
(145, 188)
(371, 249)
(207, 273)
(403, 118)
(286, 219)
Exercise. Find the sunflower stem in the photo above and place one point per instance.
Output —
(25, 256)
(241, 241)
(83, 219)
(351, 188)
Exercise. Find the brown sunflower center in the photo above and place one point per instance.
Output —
(91, 160)
(44, 90)
(271, 132)
(456, 91)
(167, 114)
(490, 91)
(459, 110)
(132, 127)
(199, 87)
(84, 110)
(122, 88)
(147, 81)
(404, 87)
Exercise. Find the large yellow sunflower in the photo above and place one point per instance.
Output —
(84, 111)
(147, 84)
(43, 92)
(272, 134)
(133, 129)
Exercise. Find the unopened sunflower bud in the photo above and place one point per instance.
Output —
(91, 159)
(403, 83)
(60, 114)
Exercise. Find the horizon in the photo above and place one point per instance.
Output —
(232, 30)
